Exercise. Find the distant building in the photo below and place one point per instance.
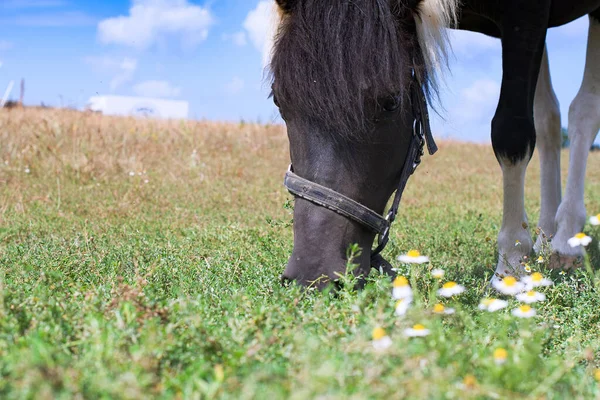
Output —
(139, 107)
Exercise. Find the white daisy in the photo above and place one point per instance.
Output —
(440, 309)
(492, 305)
(524, 311)
(595, 220)
(413, 257)
(402, 289)
(581, 239)
(540, 260)
(534, 280)
(416, 330)
(381, 340)
(500, 356)
(438, 273)
(509, 285)
(402, 306)
(531, 297)
(450, 289)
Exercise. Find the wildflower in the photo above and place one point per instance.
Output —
(527, 268)
(416, 330)
(402, 289)
(562, 273)
(531, 297)
(517, 243)
(413, 256)
(523, 312)
(450, 289)
(469, 381)
(595, 220)
(509, 285)
(492, 305)
(440, 309)
(381, 340)
(27, 170)
(402, 306)
(581, 239)
(540, 260)
(536, 279)
(131, 173)
(438, 273)
(597, 374)
(500, 356)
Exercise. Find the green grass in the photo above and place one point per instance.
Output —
(111, 287)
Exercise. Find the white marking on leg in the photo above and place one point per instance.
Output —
(548, 131)
(514, 240)
(584, 122)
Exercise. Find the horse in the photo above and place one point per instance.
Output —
(352, 79)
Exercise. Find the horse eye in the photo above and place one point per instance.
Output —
(391, 103)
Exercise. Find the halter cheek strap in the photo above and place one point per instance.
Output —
(349, 208)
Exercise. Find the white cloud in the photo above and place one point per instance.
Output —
(470, 44)
(235, 86)
(478, 102)
(156, 89)
(152, 20)
(238, 38)
(121, 69)
(260, 25)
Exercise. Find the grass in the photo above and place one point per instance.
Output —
(142, 259)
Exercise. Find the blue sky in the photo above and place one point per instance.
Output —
(210, 54)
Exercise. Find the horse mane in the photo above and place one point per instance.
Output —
(330, 58)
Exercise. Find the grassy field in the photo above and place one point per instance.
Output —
(142, 259)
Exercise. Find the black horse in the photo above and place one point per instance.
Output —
(350, 79)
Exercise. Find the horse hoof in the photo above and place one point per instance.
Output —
(565, 262)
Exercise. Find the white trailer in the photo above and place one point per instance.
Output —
(139, 107)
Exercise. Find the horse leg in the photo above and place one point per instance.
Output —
(584, 122)
(513, 129)
(546, 114)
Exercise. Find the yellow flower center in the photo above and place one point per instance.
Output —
(419, 327)
(400, 281)
(536, 277)
(540, 259)
(413, 253)
(510, 281)
(597, 374)
(449, 285)
(438, 308)
(531, 293)
(487, 302)
(470, 381)
(525, 308)
(378, 333)
(598, 216)
(580, 235)
(500, 354)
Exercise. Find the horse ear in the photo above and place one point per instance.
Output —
(286, 5)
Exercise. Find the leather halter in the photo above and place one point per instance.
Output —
(330, 199)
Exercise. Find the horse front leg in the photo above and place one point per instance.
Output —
(513, 129)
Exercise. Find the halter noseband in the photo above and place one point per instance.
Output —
(349, 208)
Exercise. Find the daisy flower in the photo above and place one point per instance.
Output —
(450, 289)
(381, 340)
(440, 309)
(581, 239)
(540, 260)
(527, 268)
(402, 306)
(509, 285)
(524, 311)
(500, 356)
(492, 305)
(413, 257)
(595, 220)
(402, 289)
(438, 273)
(536, 279)
(531, 297)
(416, 330)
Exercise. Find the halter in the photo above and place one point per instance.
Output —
(343, 205)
